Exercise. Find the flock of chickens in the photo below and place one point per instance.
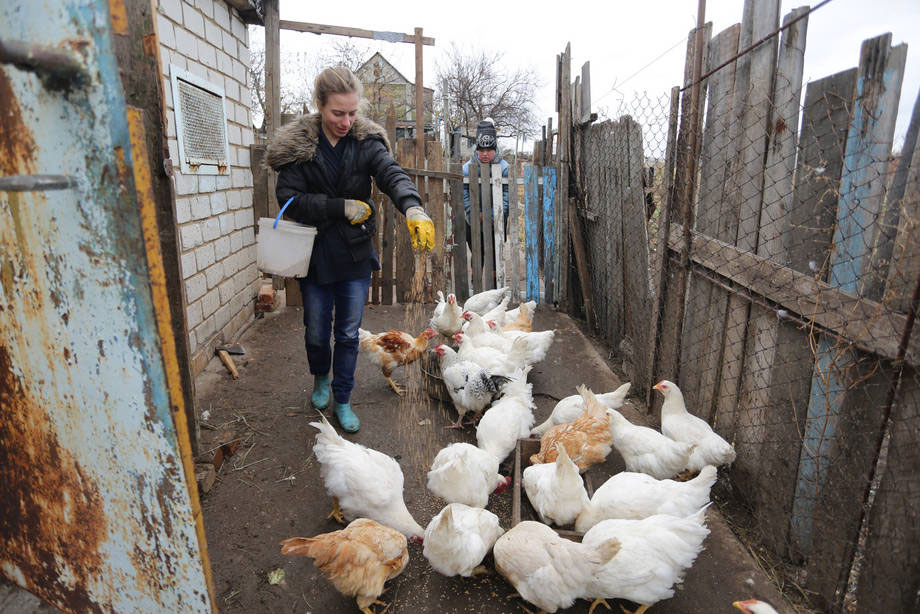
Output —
(642, 529)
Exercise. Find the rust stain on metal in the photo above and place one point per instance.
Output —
(17, 147)
(51, 517)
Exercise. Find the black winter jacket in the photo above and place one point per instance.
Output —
(341, 251)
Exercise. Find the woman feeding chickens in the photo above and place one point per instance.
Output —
(325, 162)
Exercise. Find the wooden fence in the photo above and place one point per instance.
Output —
(789, 288)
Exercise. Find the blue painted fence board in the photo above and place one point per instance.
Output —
(861, 193)
(532, 233)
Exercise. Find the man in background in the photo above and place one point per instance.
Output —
(486, 153)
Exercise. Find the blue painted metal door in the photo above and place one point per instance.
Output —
(98, 506)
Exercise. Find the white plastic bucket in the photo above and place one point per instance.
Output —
(284, 248)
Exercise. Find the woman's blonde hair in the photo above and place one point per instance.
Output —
(334, 80)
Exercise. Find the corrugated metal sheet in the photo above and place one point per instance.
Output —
(96, 514)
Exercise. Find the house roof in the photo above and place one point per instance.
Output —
(369, 63)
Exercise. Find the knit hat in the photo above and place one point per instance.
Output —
(485, 134)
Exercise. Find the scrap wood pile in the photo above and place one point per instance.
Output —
(640, 531)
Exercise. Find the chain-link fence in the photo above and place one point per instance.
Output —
(766, 259)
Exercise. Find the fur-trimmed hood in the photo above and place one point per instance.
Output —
(297, 141)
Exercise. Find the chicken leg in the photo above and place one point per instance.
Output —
(336, 511)
(640, 610)
(596, 603)
(396, 387)
(368, 610)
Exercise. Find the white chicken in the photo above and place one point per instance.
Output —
(538, 342)
(547, 570)
(753, 606)
(569, 408)
(680, 425)
(470, 386)
(458, 538)
(509, 418)
(487, 333)
(463, 473)
(497, 313)
(494, 360)
(556, 490)
(484, 301)
(654, 555)
(447, 318)
(637, 495)
(363, 483)
(645, 450)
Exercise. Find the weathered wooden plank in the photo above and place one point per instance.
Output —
(892, 246)
(531, 233)
(889, 581)
(513, 225)
(594, 178)
(905, 264)
(498, 226)
(318, 28)
(616, 142)
(767, 431)
(835, 416)
(388, 239)
(635, 259)
(460, 262)
(562, 289)
(661, 352)
(488, 230)
(866, 324)
(475, 228)
(669, 360)
(752, 108)
(435, 206)
(405, 259)
(703, 327)
(549, 232)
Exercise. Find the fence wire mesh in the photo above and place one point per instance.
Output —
(787, 318)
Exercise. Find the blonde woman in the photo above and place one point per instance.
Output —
(325, 163)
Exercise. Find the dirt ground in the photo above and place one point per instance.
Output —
(270, 489)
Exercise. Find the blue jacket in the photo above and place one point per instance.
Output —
(466, 187)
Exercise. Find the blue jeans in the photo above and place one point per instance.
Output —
(347, 298)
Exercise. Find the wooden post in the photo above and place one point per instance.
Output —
(436, 194)
(272, 89)
(563, 202)
(461, 266)
(419, 103)
(488, 243)
(475, 227)
(498, 226)
(514, 242)
(389, 228)
(549, 233)
(405, 255)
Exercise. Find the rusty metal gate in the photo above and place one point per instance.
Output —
(98, 507)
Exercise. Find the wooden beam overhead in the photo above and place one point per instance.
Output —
(318, 28)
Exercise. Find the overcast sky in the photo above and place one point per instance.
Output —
(633, 46)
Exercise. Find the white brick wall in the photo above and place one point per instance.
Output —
(214, 212)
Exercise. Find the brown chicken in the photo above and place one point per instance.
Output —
(358, 559)
(393, 348)
(587, 440)
(524, 321)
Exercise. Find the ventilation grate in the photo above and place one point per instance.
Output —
(203, 125)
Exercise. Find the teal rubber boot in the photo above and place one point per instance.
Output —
(346, 417)
(320, 398)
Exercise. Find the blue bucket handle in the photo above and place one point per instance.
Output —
(280, 213)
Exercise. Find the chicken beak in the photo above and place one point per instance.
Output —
(741, 605)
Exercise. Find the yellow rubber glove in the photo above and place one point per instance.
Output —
(357, 211)
(421, 228)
